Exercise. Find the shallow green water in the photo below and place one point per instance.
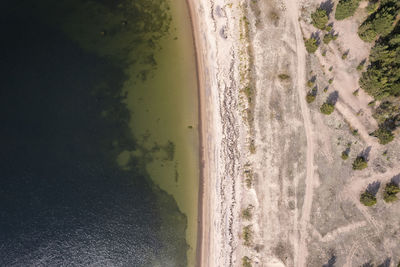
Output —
(165, 112)
(128, 68)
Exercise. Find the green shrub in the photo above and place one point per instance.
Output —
(283, 76)
(330, 81)
(246, 262)
(346, 8)
(319, 18)
(345, 155)
(327, 38)
(389, 195)
(310, 83)
(311, 45)
(252, 147)
(327, 108)
(384, 135)
(310, 98)
(247, 235)
(329, 28)
(367, 199)
(246, 213)
(360, 163)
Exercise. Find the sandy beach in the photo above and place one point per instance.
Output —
(274, 190)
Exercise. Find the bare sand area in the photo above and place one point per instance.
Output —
(275, 190)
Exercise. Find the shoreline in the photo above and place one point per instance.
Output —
(201, 128)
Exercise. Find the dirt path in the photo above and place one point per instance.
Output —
(301, 247)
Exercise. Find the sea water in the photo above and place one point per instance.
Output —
(99, 141)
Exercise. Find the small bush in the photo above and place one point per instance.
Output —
(384, 135)
(249, 176)
(310, 98)
(360, 67)
(246, 262)
(346, 8)
(247, 235)
(252, 147)
(310, 83)
(324, 53)
(345, 155)
(355, 93)
(391, 189)
(360, 163)
(344, 56)
(319, 18)
(328, 28)
(283, 76)
(330, 81)
(367, 199)
(327, 108)
(311, 45)
(327, 38)
(246, 213)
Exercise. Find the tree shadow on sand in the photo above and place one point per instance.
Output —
(327, 6)
(331, 262)
(373, 187)
(333, 97)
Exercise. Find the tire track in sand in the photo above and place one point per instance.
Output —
(301, 247)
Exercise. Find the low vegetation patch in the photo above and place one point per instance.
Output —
(283, 76)
(360, 163)
(246, 262)
(311, 95)
(310, 83)
(327, 38)
(320, 18)
(246, 213)
(327, 108)
(247, 235)
(384, 135)
(346, 8)
(249, 176)
(252, 147)
(389, 195)
(345, 155)
(367, 199)
(311, 45)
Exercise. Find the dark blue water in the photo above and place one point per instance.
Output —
(63, 199)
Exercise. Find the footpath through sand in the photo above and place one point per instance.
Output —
(301, 248)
